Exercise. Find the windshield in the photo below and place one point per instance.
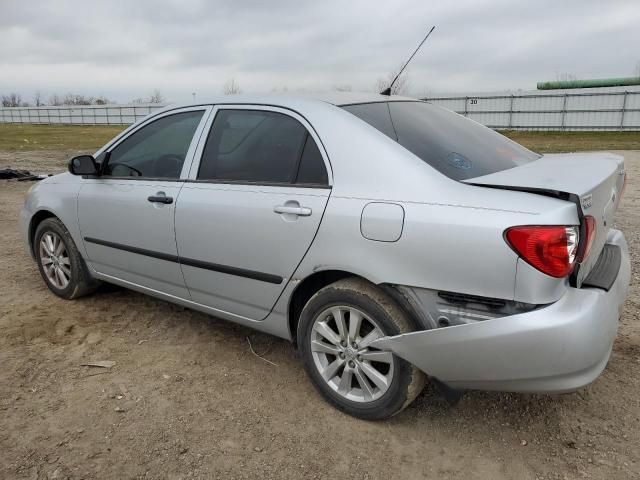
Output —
(452, 144)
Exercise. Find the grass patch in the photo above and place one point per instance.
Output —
(558, 142)
(17, 137)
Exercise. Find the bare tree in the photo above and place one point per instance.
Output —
(12, 100)
(76, 99)
(55, 100)
(637, 70)
(401, 87)
(37, 99)
(231, 87)
(156, 97)
(102, 100)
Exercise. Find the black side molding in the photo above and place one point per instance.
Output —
(605, 271)
(238, 272)
(139, 251)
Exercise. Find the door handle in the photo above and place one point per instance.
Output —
(160, 197)
(292, 210)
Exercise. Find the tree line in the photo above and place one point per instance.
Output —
(16, 100)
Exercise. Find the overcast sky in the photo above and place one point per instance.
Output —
(126, 49)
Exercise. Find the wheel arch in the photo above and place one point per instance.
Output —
(36, 219)
(306, 289)
(320, 279)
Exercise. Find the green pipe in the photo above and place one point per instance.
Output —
(597, 82)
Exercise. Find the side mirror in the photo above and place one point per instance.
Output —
(83, 165)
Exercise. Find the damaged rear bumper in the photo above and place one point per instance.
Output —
(558, 348)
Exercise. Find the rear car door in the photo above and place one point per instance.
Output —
(251, 208)
(126, 215)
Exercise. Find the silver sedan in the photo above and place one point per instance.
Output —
(391, 240)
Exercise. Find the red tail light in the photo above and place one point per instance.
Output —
(590, 235)
(550, 249)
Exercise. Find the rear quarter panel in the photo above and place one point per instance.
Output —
(456, 246)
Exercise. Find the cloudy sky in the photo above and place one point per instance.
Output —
(126, 49)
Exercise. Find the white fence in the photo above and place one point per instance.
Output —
(78, 115)
(593, 109)
(583, 110)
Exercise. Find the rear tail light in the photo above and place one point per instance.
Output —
(624, 186)
(589, 236)
(550, 249)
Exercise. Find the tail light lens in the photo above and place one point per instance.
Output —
(550, 249)
(590, 235)
(624, 186)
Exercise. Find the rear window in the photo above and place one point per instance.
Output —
(452, 144)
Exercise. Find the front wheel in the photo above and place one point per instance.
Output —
(337, 327)
(60, 264)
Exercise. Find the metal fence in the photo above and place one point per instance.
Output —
(78, 115)
(612, 110)
(581, 110)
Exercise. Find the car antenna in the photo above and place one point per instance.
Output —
(387, 91)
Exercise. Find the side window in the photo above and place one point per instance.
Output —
(375, 114)
(157, 150)
(253, 146)
(312, 169)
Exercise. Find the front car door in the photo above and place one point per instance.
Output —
(126, 215)
(251, 208)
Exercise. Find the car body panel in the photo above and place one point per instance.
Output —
(464, 257)
(58, 196)
(235, 225)
(117, 211)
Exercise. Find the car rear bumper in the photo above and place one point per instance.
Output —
(557, 348)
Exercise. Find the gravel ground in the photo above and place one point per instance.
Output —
(187, 398)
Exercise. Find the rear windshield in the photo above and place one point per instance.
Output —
(452, 144)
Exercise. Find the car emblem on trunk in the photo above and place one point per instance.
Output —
(586, 201)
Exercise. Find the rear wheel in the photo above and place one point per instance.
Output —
(59, 261)
(337, 328)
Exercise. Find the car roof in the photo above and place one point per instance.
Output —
(287, 100)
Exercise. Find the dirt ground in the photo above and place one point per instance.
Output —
(187, 398)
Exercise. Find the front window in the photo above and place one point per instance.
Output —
(157, 150)
(452, 144)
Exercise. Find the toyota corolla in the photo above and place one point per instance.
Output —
(390, 239)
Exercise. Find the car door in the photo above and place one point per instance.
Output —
(126, 215)
(251, 208)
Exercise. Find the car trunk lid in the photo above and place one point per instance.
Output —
(593, 181)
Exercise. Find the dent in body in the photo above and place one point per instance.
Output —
(533, 286)
(558, 348)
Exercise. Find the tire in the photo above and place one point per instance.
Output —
(55, 249)
(369, 313)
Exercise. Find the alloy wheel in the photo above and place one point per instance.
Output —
(340, 346)
(55, 260)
